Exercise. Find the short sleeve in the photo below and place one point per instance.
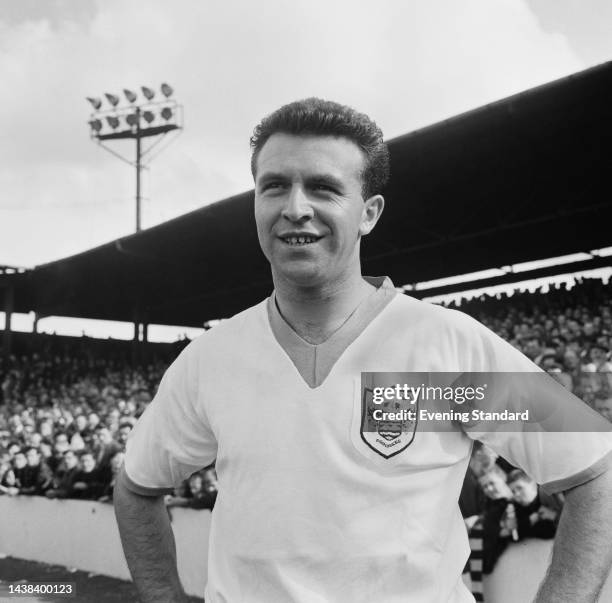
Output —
(564, 444)
(173, 438)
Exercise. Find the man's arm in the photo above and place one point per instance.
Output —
(582, 553)
(148, 544)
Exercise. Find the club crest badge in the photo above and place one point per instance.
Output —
(388, 426)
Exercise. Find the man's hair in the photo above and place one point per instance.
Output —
(318, 117)
(518, 475)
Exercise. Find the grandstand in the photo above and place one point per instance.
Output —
(522, 179)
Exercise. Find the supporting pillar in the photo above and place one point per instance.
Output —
(7, 336)
(136, 338)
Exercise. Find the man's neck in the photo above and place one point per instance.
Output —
(316, 313)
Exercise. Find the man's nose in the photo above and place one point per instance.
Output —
(297, 205)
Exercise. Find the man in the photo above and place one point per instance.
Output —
(87, 483)
(307, 510)
(36, 477)
(65, 476)
(105, 448)
(536, 512)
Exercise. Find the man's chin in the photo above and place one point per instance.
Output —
(302, 276)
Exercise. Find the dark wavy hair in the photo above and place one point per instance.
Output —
(318, 117)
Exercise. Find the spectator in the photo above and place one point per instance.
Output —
(537, 514)
(35, 477)
(599, 363)
(87, 483)
(123, 433)
(8, 481)
(203, 486)
(115, 464)
(63, 484)
(105, 447)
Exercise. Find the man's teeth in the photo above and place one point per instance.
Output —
(299, 240)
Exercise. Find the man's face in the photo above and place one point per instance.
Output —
(598, 356)
(116, 462)
(210, 480)
(61, 442)
(494, 486)
(532, 348)
(604, 408)
(35, 439)
(309, 208)
(524, 492)
(123, 434)
(70, 460)
(88, 463)
(104, 435)
(33, 457)
(195, 484)
(19, 460)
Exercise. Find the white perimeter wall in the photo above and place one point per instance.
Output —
(84, 535)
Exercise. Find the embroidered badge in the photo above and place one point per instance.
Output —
(388, 422)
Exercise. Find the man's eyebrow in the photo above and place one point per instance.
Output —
(325, 179)
(267, 176)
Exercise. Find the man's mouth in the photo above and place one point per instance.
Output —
(300, 240)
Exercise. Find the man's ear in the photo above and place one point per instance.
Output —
(372, 210)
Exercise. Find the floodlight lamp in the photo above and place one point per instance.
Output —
(149, 94)
(112, 99)
(167, 90)
(113, 121)
(148, 116)
(166, 113)
(96, 103)
(96, 125)
(131, 119)
(131, 96)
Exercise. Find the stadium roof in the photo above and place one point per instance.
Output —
(524, 178)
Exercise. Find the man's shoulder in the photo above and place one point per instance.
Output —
(230, 331)
(432, 316)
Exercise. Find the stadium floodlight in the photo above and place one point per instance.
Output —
(131, 96)
(96, 125)
(148, 92)
(143, 118)
(96, 103)
(113, 99)
(131, 119)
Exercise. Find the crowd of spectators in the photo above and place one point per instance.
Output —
(64, 422)
(566, 331)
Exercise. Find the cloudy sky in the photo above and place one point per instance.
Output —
(407, 63)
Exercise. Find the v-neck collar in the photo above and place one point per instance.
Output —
(315, 362)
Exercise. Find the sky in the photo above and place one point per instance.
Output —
(406, 63)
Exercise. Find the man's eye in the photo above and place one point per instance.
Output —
(271, 186)
(324, 188)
